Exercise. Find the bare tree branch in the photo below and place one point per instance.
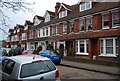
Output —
(15, 6)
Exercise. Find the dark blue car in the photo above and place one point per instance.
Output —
(52, 55)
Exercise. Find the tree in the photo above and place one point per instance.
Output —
(15, 6)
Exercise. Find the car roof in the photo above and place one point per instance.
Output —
(48, 50)
(22, 59)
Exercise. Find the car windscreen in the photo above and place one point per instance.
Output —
(54, 53)
(28, 51)
(36, 68)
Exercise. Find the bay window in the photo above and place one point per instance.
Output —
(82, 47)
(108, 47)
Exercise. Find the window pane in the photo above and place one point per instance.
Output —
(116, 22)
(76, 46)
(101, 43)
(109, 50)
(87, 46)
(106, 20)
(89, 24)
(116, 15)
(106, 17)
(106, 23)
(109, 42)
(81, 25)
(82, 7)
(117, 47)
(71, 27)
(82, 46)
(87, 5)
(101, 50)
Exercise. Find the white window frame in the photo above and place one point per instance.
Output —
(85, 6)
(83, 24)
(57, 29)
(63, 14)
(89, 23)
(71, 26)
(104, 47)
(65, 27)
(24, 36)
(85, 46)
(113, 19)
(105, 27)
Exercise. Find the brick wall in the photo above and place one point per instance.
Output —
(97, 22)
(76, 26)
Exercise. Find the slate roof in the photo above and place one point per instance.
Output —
(98, 7)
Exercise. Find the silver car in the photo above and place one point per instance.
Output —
(29, 68)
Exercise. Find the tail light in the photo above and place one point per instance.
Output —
(57, 74)
(48, 53)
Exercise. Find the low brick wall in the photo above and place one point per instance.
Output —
(107, 63)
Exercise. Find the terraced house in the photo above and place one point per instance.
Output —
(86, 30)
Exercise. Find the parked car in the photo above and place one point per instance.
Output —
(29, 68)
(15, 51)
(2, 56)
(52, 55)
(5, 51)
(25, 52)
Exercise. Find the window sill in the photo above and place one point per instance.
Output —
(81, 53)
(64, 33)
(116, 27)
(105, 28)
(108, 55)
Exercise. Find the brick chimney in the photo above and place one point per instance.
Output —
(57, 8)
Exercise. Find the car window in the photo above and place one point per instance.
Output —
(0, 52)
(41, 52)
(45, 52)
(30, 51)
(8, 66)
(4, 63)
(36, 68)
(54, 53)
(25, 51)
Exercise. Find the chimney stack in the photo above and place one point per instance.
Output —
(57, 8)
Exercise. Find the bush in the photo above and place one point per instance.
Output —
(39, 48)
(50, 47)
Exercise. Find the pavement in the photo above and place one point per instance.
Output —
(92, 67)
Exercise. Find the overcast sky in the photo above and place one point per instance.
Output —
(39, 8)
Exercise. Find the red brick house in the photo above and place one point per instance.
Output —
(86, 30)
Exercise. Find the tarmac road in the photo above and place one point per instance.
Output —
(79, 74)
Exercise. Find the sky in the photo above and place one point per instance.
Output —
(39, 8)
